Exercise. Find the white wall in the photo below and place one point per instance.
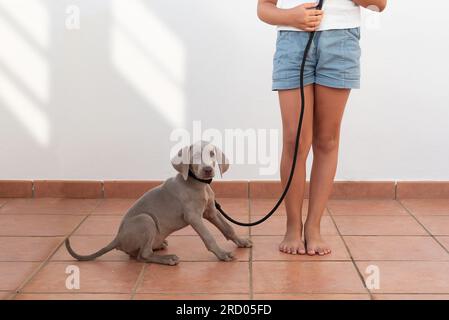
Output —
(100, 102)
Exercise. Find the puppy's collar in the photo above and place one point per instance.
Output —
(192, 175)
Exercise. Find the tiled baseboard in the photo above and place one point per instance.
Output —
(341, 190)
(16, 189)
(237, 189)
(67, 189)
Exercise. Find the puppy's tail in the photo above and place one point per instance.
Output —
(92, 256)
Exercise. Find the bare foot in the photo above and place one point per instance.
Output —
(314, 242)
(292, 243)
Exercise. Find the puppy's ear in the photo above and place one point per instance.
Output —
(222, 160)
(181, 161)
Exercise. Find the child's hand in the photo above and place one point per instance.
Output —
(305, 17)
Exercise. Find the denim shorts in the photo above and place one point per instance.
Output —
(333, 59)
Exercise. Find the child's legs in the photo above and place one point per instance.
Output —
(328, 112)
(290, 102)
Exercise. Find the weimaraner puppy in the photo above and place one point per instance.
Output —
(180, 201)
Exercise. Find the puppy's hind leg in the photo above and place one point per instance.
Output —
(146, 252)
(147, 255)
(163, 246)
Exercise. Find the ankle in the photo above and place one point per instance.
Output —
(312, 228)
(294, 230)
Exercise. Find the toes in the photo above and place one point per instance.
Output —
(292, 248)
(172, 260)
(229, 256)
(226, 256)
(248, 244)
(244, 243)
(284, 248)
(318, 251)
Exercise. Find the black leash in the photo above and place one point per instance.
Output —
(295, 156)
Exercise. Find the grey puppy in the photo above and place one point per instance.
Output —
(180, 201)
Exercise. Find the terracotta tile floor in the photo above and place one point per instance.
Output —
(407, 241)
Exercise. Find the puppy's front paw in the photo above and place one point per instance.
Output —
(225, 256)
(243, 243)
(171, 259)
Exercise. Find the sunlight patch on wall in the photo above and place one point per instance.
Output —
(24, 72)
(150, 57)
(19, 55)
(34, 120)
(32, 16)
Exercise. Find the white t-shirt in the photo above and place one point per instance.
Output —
(338, 14)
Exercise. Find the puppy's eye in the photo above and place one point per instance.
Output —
(212, 154)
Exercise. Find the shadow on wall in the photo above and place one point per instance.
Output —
(101, 101)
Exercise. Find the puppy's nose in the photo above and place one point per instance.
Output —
(207, 170)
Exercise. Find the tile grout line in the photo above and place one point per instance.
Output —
(8, 294)
(48, 214)
(422, 225)
(4, 203)
(33, 192)
(103, 193)
(147, 293)
(199, 294)
(259, 260)
(151, 293)
(350, 235)
(250, 258)
(8, 297)
(139, 281)
(350, 254)
(412, 293)
(47, 260)
(395, 190)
